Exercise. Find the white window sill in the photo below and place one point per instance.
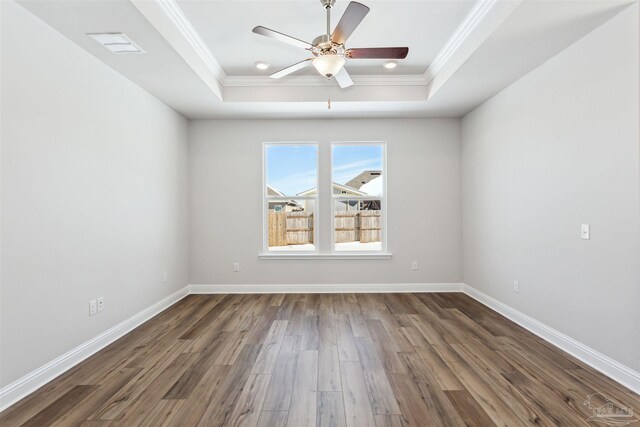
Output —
(289, 256)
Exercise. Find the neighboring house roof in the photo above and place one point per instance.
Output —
(373, 187)
(336, 186)
(273, 192)
(348, 189)
(364, 178)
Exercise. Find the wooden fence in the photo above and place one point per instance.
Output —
(363, 226)
(290, 228)
(296, 228)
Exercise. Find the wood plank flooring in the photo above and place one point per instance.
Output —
(324, 360)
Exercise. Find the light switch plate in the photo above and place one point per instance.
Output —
(585, 232)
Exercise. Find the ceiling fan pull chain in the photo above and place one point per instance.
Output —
(328, 86)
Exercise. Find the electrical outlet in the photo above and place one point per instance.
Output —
(100, 302)
(414, 265)
(516, 286)
(585, 231)
(92, 307)
(164, 277)
(236, 267)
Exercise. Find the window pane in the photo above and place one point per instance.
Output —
(358, 225)
(290, 224)
(357, 170)
(291, 169)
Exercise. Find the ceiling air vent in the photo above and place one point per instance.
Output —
(116, 42)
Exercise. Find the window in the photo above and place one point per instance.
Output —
(357, 172)
(348, 190)
(291, 181)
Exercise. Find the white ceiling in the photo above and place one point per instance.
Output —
(160, 71)
(200, 54)
(530, 36)
(226, 26)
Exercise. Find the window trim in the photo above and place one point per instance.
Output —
(383, 199)
(332, 254)
(266, 199)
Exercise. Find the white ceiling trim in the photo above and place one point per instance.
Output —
(482, 21)
(380, 80)
(169, 19)
(171, 8)
(353, 93)
(484, 50)
(471, 21)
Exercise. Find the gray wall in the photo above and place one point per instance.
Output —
(424, 223)
(94, 195)
(556, 149)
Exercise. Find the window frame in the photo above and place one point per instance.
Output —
(266, 199)
(383, 200)
(324, 240)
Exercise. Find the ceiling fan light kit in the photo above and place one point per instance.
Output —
(328, 65)
(329, 52)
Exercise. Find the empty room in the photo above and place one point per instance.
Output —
(302, 213)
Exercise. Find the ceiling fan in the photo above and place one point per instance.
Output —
(329, 51)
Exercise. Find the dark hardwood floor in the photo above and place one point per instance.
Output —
(326, 360)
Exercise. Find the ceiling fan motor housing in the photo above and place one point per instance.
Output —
(322, 42)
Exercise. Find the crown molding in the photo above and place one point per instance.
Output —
(177, 16)
(169, 19)
(368, 80)
(471, 21)
(482, 21)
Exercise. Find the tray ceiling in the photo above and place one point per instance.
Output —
(200, 55)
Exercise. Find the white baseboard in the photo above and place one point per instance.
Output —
(326, 288)
(26, 385)
(39, 377)
(598, 361)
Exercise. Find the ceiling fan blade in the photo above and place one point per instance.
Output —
(378, 53)
(350, 20)
(343, 78)
(290, 69)
(263, 31)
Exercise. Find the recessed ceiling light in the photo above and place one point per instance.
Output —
(390, 65)
(261, 65)
(116, 42)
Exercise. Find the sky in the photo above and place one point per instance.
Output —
(293, 169)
